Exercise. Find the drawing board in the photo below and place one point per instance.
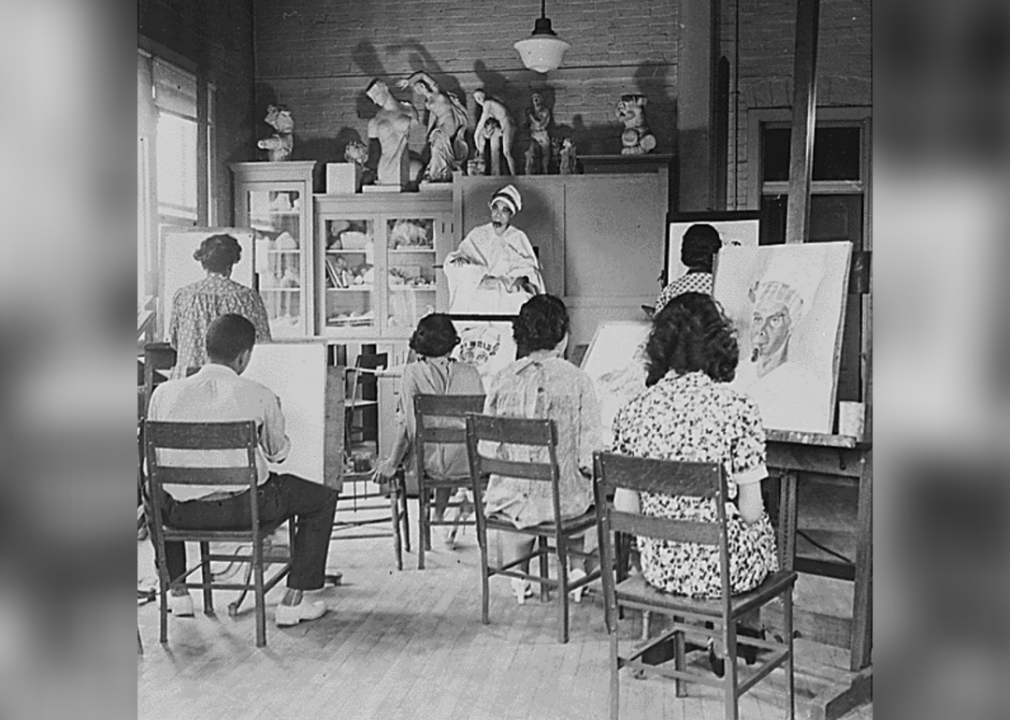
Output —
(615, 362)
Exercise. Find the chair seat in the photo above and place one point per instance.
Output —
(220, 535)
(569, 526)
(636, 590)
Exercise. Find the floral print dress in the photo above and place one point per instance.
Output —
(691, 418)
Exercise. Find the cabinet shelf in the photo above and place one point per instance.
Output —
(412, 251)
(357, 288)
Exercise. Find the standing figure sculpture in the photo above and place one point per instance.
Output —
(538, 153)
(447, 123)
(280, 146)
(492, 109)
(390, 127)
(637, 139)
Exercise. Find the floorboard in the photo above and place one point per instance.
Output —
(411, 645)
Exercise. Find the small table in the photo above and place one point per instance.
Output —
(849, 462)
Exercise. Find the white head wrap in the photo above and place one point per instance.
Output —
(510, 196)
(791, 278)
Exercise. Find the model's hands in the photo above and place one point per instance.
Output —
(384, 470)
(403, 84)
(461, 260)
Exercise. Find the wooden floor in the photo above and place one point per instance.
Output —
(411, 645)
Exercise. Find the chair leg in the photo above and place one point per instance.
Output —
(394, 516)
(787, 606)
(615, 683)
(404, 513)
(260, 595)
(484, 590)
(545, 590)
(563, 605)
(208, 598)
(678, 660)
(164, 612)
(140, 643)
(423, 531)
(730, 649)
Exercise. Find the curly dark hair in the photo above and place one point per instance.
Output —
(691, 333)
(700, 246)
(542, 323)
(218, 253)
(435, 336)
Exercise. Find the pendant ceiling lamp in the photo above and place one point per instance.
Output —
(543, 50)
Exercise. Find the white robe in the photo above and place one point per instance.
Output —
(790, 397)
(486, 288)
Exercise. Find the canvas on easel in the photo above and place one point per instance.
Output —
(736, 229)
(615, 362)
(787, 303)
(177, 267)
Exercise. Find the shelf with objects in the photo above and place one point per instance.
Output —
(379, 260)
(274, 199)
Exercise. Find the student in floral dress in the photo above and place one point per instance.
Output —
(688, 413)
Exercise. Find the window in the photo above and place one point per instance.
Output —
(174, 146)
(839, 193)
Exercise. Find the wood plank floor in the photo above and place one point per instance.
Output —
(411, 645)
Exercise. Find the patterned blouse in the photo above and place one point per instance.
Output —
(691, 418)
(700, 282)
(197, 305)
(543, 385)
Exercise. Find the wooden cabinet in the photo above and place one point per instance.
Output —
(274, 199)
(378, 262)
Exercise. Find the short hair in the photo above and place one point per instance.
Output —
(691, 333)
(229, 336)
(700, 245)
(435, 336)
(542, 323)
(218, 253)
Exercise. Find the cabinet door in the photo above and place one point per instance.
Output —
(277, 217)
(349, 274)
(410, 269)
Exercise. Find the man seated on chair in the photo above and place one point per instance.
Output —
(217, 393)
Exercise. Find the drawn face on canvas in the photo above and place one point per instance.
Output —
(769, 331)
(501, 216)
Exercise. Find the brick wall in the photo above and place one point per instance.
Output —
(758, 37)
(218, 36)
(317, 57)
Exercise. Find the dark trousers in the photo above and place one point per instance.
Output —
(280, 498)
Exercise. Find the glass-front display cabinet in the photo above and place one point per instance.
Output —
(274, 199)
(379, 257)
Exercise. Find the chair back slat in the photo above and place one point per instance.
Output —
(171, 475)
(434, 415)
(448, 405)
(515, 469)
(201, 436)
(688, 479)
(701, 533)
(514, 431)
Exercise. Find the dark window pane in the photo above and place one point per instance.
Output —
(832, 218)
(836, 154)
(775, 154)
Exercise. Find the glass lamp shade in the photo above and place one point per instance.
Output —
(542, 52)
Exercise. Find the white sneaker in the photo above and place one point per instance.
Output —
(180, 605)
(288, 615)
(522, 589)
(574, 575)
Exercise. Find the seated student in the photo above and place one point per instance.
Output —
(698, 249)
(217, 393)
(433, 373)
(544, 385)
(688, 413)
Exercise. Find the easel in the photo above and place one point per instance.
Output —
(847, 460)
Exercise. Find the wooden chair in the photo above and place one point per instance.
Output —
(360, 505)
(362, 374)
(211, 436)
(536, 434)
(439, 419)
(702, 480)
